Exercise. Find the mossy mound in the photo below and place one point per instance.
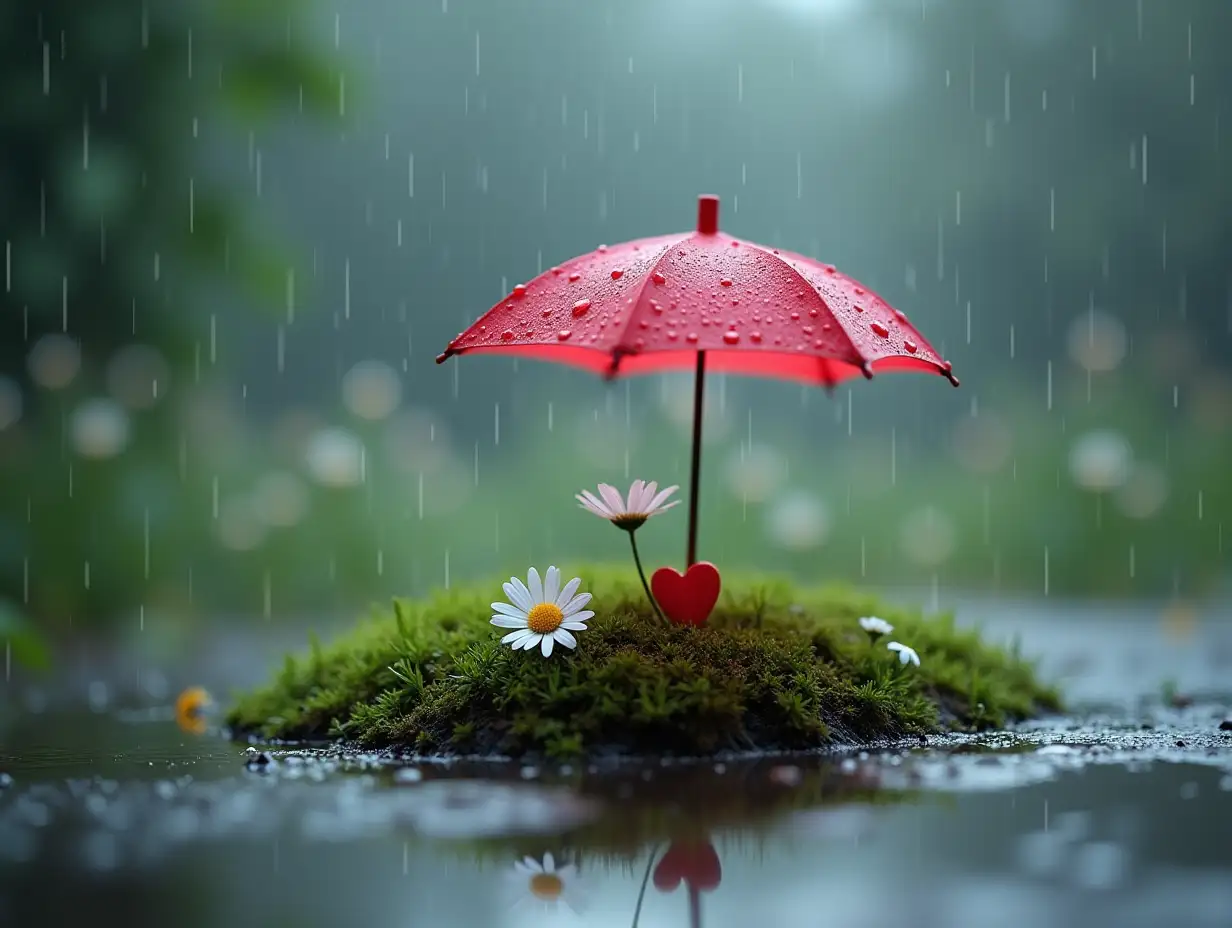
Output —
(776, 668)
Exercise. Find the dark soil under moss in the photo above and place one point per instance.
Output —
(776, 668)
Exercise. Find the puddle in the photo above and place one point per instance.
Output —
(1059, 823)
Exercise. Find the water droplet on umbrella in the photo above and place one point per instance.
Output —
(825, 327)
(807, 330)
(617, 273)
(735, 244)
(555, 271)
(574, 277)
(658, 278)
(671, 334)
(880, 329)
(814, 312)
(519, 291)
(795, 317)
(858, 308)
(725, 282)
(601, 249)
(563, 335)
(580, 307)
(755, 336)
(507, 335)
(910, 346)
(644, 323)
(640, 344)
(546, 313)
(900, 315)
(831, 269)
(731, 337)
(859, 291)
(691, 337)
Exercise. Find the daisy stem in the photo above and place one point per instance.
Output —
(641, 573)
(641, 896)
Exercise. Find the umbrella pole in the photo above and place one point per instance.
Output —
(699, 394)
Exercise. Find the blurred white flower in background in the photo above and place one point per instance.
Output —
(10, 403)
(99, 428)
(280, 499)
(138, 376)
(335, 457)
(1143, 495)
(1100, 460)
(237, 524)
(416, 442)
(798, 521)
(1097, 341)
(372, 390)
(906, 655)
(875, 626)
(676, 402)
(753, 474)
(54, 361)
(928, 536)
(982, 443)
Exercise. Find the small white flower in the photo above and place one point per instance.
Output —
(541, 612)
(644, 500)
(906, 655)
(546, 885)
(876, 626)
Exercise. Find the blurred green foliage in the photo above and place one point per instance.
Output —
(115, 233)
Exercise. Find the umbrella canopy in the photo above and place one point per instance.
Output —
(651, 305)
(698, 299)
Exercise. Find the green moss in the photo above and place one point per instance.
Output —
(775, 669)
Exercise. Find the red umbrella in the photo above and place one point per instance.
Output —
(702, 300)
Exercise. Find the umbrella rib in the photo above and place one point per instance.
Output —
(618, 353)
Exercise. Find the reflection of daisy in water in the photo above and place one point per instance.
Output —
(192, 710)
(544, 885)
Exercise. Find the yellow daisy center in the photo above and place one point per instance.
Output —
(546, 885)
(545, 618)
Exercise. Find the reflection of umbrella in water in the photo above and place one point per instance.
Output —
(702, 300)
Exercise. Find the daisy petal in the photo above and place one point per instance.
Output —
(661, 498)
(551, 585)
(518, 594)
(565, 638)
(567, 593)
(515, 637)
(508, 621)
(549, 863)
(545, 645)
(633, 502)
(648, 492)
(580, 616)
(535, 584)
(575, 626)
(575, 604)
(611, 496)
(506, 609)
(529, 641)
(596, 505)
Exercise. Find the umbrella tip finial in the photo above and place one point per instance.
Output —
(707, 214)
(444, 356)
(947, 371)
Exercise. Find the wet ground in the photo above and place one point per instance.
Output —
(1119, 815)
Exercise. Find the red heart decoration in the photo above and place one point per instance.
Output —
(689, 598)
(694, 863)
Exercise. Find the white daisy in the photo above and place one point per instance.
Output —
(545, 884)
(876, 626)
(644, 500)
(906, 655)
(541, 612)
